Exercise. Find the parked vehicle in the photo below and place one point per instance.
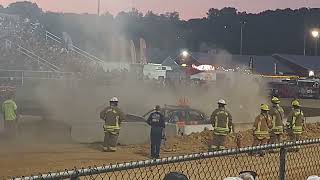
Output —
(308, 88)
(296, 88)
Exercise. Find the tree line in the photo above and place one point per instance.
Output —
(272, 31)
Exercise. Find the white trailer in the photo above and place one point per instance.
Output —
(155, 71)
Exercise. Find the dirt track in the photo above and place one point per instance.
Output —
(18, 160)
(39, 157)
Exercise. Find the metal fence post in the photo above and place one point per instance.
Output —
(282, 168)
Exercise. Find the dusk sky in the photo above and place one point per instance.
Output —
(187, 8)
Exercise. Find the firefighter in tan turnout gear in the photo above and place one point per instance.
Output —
(277, 114)
(295, 122)
(261, 127)
(221, 121)
(113, 117)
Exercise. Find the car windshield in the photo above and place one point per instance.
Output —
(306, 84)
(178, 115)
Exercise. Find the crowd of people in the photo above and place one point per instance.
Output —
(17, 32)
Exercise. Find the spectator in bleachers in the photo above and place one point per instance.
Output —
(31, 35)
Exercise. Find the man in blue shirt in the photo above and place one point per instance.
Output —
(157, 122)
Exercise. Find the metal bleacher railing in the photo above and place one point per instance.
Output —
(282, 164)
(33, 56)
(74, 48)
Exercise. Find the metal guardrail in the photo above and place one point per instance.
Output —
(35, 74)
(208, 165)
(22, 75)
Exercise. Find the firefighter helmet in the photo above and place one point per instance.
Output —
(265, 107)
(222, 101)
(295, 103)
(275, 100)
(114, 99)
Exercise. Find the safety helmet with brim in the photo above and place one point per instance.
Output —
(295, 103)
(275, 100)
(265, 107)
(222, 102)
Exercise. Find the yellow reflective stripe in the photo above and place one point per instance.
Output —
(216, 122)
(220, 133)
(117, 121)
(274, 121)
(262, 136)
(297, 128)
(277, 130)
(227, 124)
(262, 133)
(219, 129)
(111, 127)
(259, 127)
(294, 121)
(259, 132)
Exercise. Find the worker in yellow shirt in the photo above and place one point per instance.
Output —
(10, 116)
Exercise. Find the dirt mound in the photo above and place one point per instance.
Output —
(312, 131)
(196, 142)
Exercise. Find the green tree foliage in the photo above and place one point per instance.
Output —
(24, 8)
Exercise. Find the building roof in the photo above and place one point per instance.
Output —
(307, 62)
(169, 61)
(286, 63)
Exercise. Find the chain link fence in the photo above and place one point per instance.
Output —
(290, 161)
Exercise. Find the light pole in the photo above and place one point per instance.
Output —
(243, 23)
(185, 53)
(304, 42)
(98, 8)
(315, 34)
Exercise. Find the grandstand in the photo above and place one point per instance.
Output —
(26, 45)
